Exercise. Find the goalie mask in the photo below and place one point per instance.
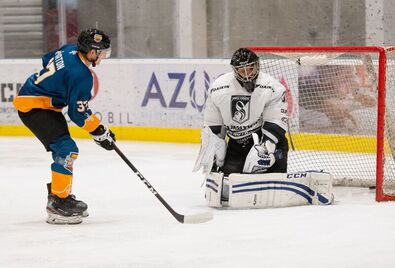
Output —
(245, 64)
(92, 38)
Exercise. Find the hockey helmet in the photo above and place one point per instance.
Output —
(245, 64)
(92, 38)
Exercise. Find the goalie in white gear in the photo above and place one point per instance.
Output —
(251, 107)
(244, 102)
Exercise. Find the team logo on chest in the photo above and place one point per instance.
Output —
(240, 108)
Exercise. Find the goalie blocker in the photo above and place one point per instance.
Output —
(268, 190)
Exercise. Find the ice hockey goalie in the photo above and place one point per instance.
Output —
(244, 148)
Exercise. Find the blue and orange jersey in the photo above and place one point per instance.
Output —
(65, 80)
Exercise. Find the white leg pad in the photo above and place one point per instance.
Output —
(214, 189)
(279, 189)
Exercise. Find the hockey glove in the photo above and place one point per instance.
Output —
(261, 156)
(103, 137)
(212, 149)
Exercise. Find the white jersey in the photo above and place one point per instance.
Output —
(242, 112)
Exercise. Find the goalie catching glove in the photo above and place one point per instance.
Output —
(104, 137)
(212, 148)
(261, 156)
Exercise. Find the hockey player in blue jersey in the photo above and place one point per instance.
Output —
(65, 81)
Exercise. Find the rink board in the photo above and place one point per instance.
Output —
(151, 100)
(327, 142)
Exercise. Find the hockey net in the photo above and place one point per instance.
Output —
(341, 107)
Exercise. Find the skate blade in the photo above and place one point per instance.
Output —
(58, 219)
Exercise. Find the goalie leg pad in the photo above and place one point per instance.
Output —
(213, 192)
(279, 190)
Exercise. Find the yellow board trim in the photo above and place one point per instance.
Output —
(302, 141)
(336, 143)
(179, 135)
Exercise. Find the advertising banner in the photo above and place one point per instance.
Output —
(157, 93)
(167, 93)
(12, 76)
(161, 95)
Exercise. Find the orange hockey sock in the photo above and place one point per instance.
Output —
(61, 184)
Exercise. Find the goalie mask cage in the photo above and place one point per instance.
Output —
(341, 111)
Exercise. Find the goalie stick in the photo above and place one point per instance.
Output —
(195, 218)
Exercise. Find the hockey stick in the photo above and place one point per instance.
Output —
(195, 218)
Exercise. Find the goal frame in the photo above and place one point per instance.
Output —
(381, 91)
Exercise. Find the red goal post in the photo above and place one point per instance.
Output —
(341, 107)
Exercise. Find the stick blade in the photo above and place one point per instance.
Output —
(198, 218)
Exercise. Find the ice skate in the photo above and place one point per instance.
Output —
(80, 203)
(65, 210)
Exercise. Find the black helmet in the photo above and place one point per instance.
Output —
(245, 64)
(92, 38)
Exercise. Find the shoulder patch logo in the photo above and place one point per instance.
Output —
(240, 108)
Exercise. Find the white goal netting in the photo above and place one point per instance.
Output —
(333, 104)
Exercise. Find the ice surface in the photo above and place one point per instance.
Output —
(128, 226)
